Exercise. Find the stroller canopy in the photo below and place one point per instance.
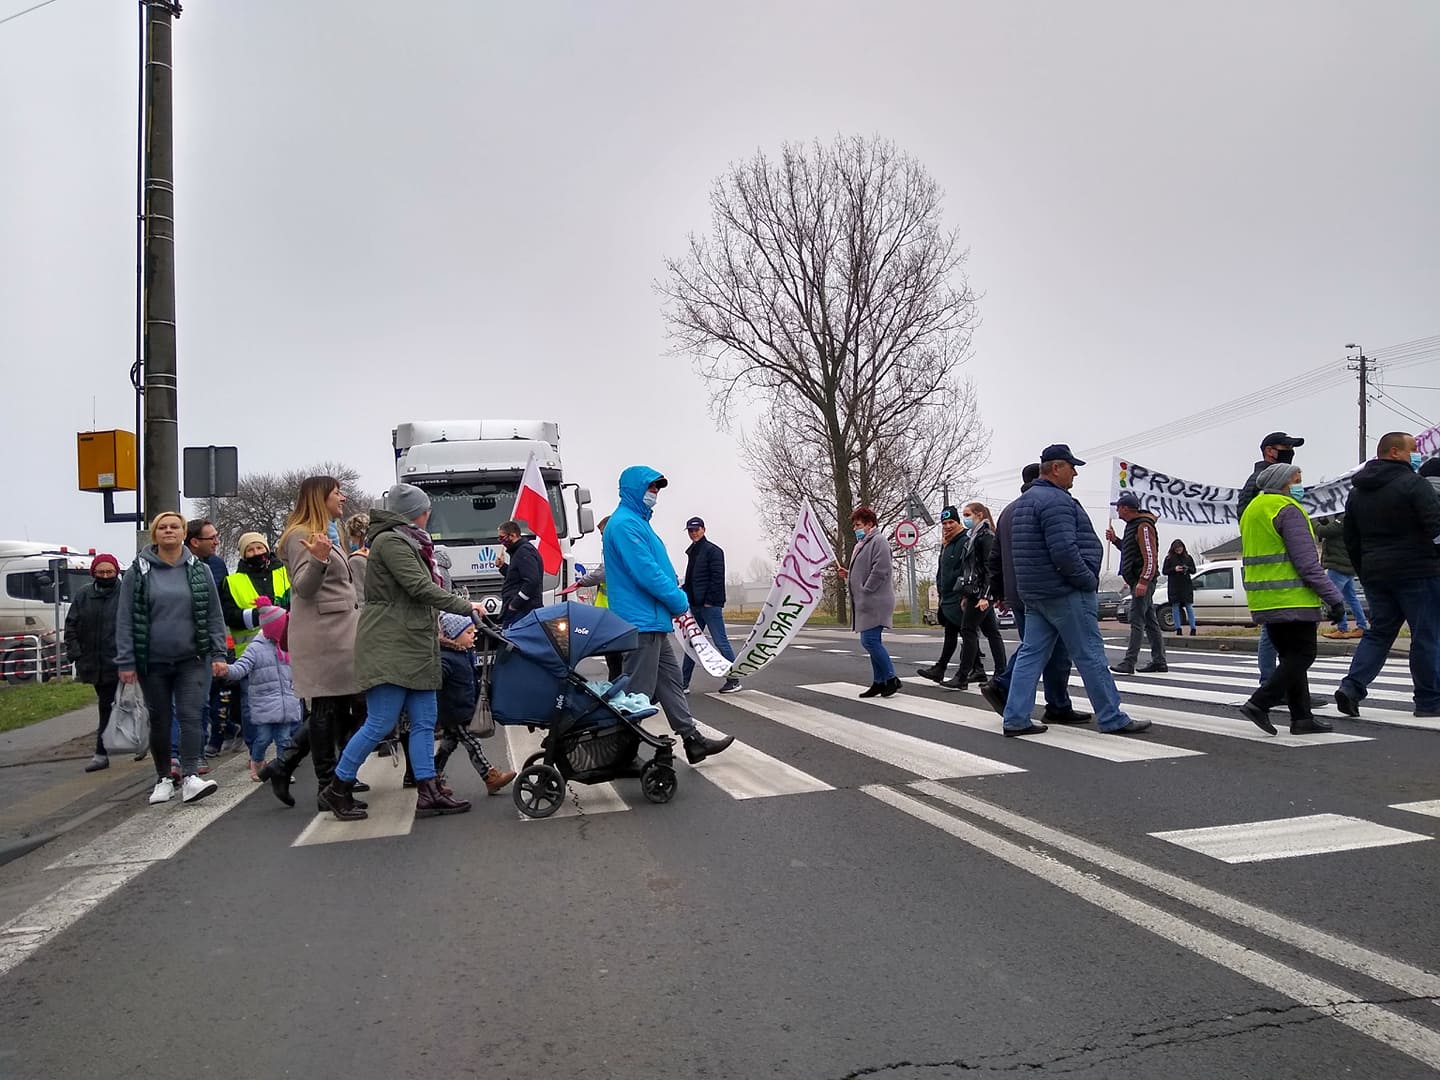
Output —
(558, 637)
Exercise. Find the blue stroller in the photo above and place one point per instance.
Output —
(531, 680)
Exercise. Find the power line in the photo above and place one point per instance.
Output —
(27, 11)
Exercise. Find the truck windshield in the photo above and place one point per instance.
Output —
(473, 513)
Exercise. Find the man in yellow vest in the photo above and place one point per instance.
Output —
(1288, 592)
(258, 574)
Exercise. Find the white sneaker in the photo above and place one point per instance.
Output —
(196, 787)
(164, 791)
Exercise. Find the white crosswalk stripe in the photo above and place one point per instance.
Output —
(391, 813)
(1251, 674)
(580, 799)
(1076, 740)
(1225, 726)
(743, 772)
(1320, 683)
(1287, 838)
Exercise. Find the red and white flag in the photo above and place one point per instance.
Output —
(532, 506)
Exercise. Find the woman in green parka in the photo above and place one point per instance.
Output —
(397, 652)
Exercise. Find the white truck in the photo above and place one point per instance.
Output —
(28, 604)
(471, 469)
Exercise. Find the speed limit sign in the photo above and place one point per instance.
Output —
(906, 534)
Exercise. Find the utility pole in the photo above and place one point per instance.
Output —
(161, 459)
(1361, 364)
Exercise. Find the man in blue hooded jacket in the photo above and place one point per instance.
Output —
(644, 591)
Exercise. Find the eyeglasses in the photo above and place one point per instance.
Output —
(212, 536)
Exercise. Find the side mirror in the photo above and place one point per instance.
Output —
(582, 498)
(587, 521)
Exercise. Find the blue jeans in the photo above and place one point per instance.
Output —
(1057, 670)
(1417, 602)
(1188, 609)
(1346, 584)
(1266, 656)
(881, 666)
(712, 618)
(265, 734)
(1074, 620)
(383, 705)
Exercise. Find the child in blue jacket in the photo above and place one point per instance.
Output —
(459, 693)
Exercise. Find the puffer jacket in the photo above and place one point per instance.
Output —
(1331, 534)
(90, 633)
(639, 576)
(268, 686)
(459, 688)
(705, 574)
(1392, 520)
(1056, 551)
(947, 578)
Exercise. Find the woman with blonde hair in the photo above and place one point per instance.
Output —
(324, 614)
(170, 638)
(976, 593)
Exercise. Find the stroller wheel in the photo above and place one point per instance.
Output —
(533, 759)
(657, 782)
(539, 791)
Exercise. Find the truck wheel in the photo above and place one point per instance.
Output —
(15, 666)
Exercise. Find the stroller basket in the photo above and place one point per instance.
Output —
(598, 749)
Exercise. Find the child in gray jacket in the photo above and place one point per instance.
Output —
(265, 668)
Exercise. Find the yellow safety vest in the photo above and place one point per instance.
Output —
(242, 591)
(1271, 580)
(602, 597)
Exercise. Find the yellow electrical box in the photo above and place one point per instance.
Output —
(107, 460)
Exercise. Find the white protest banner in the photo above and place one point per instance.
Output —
(1187, 502)
(698, 647)
(795, 594)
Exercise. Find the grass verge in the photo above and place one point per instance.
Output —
(29, 703)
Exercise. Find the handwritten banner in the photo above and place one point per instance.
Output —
(1186, 502)
(1428, 441)
(795, 594)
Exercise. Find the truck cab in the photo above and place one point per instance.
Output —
(28, 603)
(472, 469)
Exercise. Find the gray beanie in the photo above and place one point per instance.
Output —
(1276, 477)
(407, 500)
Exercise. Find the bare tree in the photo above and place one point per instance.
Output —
(829, 292)
(266, 499)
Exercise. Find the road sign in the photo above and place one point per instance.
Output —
(906, 534)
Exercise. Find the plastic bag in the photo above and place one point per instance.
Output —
(129, 729)
(482, 723)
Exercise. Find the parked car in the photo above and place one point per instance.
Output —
(1109, 604)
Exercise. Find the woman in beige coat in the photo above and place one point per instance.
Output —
(324, 615)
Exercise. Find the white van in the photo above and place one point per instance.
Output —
(27, 604)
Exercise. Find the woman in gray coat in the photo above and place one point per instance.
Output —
(872, 598)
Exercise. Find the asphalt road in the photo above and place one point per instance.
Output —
(855, 889)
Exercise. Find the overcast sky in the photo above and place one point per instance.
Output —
(458, 209)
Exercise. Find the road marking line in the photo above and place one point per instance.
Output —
(392, 808)
(840, 652)
(1237, 728)
(1287, 838)
(592, 798)
(1429, 807)
(1405, 977)
(1090, 743)
(115, 858)
(1393, 1030)
(1250, 674)
(930, 760)
(743, 772)
(1323, 685)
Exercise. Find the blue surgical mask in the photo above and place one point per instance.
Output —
(1297, 491)
(651, 498)
(1416, 460)
(859, 533)
(967, 521)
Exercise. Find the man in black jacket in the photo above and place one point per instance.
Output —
(1139, 567)
(524, 588)
(90, 643)
(1392, 527)
(1056, 675)
(705, 588)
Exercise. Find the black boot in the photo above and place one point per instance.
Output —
(873, 690)
(891, 686)
(934, 674)
(279, 778)
(698, 747)
(431, 799)
(336, 797)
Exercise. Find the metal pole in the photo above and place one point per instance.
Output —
(58, 567)
(914, 593)
(161, 483)
(1364, 386)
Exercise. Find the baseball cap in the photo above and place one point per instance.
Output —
(1129, 499)
(1279, 438)
(1059, 452)
(695, 523)
(950, 514)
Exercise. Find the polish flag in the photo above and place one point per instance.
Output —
(532, 506)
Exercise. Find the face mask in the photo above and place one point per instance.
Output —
(1297, 491)
(967, 521)
(1285, 455)
(1416, 460)
(104, 585)
(651, 498)
(859, 533)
